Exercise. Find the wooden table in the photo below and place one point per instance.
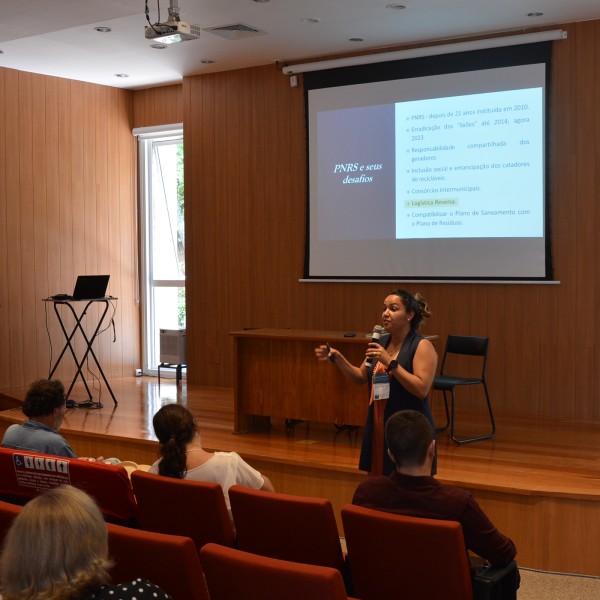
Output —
(278, 375)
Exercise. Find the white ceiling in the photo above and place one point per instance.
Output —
(57, 37)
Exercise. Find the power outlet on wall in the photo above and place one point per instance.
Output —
(138, 372)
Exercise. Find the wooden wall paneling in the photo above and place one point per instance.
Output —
(144, 114)
(99, 243)
(158, 106)
(212, 230)
(173, 104)
(548, 361)
(26, 222)
(57, 221)
(69, 202)
(52, 175)
(530, 342)
(5, 348)
(264, 248)
(586, 222)
(218, 213)
(89, 191)
(515, 316)
(283, 199)
(124, 354)
(296, 190)
(497, 313)
(42, 131)
(108, 215)
(199, 281)
(82, 189)
(193, 157)
(276, 166)
(228, 171)
(79, 184)
(242, 217)
(61, 280)
(596, 103)
(566, 224)
(116, 262)
(547, 313)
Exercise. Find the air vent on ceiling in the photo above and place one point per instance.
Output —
(236, 31)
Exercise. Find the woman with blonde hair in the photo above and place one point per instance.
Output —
(57, 549)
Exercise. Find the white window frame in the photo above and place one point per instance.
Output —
(145, 138)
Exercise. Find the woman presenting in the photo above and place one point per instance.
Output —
(404, 368)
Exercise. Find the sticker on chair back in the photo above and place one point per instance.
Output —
(40, 472)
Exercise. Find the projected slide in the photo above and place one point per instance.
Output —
(470, 166)
(434, 176)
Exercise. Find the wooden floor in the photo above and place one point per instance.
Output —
(538, 480)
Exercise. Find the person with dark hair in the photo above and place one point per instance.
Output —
(57, 549)
(44, 407)
(404, 364)
(183, 457)
(411, 490)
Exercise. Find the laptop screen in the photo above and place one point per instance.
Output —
(90, 287)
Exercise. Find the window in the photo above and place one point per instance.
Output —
(160, 160)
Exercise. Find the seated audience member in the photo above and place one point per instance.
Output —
(44, 407)
(182, 456)
(411, 490)
(57, 547)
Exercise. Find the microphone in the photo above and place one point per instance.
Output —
(377, 331)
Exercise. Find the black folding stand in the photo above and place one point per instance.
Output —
(89, 341)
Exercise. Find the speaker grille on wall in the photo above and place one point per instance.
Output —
(172, 346)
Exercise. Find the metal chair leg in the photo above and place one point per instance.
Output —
(477, 438)
(447, 414)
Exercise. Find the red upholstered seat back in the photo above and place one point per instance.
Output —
(232, 574)
(194, 509)
(169, 561)
(24, 475)
(296, 528)
(394, 556)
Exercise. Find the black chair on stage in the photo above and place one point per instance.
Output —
(465, 345)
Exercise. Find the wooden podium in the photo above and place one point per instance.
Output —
(278, 375)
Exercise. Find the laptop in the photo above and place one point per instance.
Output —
(90, 287)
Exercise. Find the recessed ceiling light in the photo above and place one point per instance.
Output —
(535, 14)
(356, 39)
(396, 6)
(158, 46)
(122, 75)
(310, 20)
(103, 29)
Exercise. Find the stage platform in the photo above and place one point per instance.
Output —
(539, 480)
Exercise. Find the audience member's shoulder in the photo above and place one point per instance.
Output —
(138, 588)
(375, 482)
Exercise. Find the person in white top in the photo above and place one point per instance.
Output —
(183, 457)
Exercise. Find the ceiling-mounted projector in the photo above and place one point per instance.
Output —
(172, 32)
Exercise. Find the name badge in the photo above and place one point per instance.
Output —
(381, 386)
